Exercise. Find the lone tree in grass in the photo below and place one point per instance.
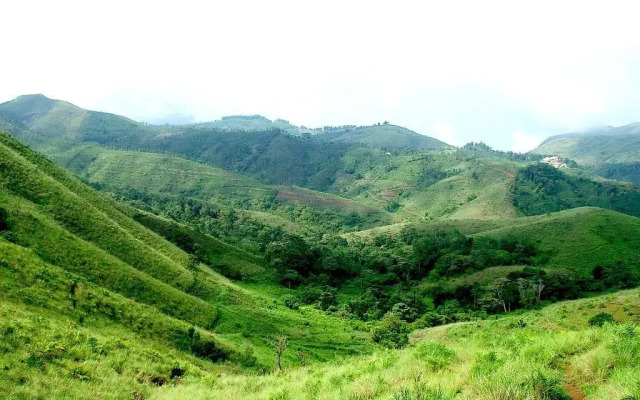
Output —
(280, 344)
(392, 332)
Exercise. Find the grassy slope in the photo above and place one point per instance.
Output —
(71, 227)
(555, 354)
(166, 174)
(577, 239)
(48, 351)
(580, 238)
(158, 173)
(432, 186)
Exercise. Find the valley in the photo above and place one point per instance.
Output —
(173, 261)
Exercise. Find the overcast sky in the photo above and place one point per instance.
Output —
(508, 73)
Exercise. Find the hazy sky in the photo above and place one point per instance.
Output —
(508, 73)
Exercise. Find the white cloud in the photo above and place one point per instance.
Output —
(443, 131)
(558, 65)
(522, 142)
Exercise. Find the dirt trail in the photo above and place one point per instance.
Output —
(570, 386)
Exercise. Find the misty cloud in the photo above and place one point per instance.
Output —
(486, 69)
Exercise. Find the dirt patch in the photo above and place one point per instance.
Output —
(570, 386)
(389, 194)
(310, 198)
(509, 174)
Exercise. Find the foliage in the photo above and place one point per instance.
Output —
(392, 332)
(541, 188)
(601, 318)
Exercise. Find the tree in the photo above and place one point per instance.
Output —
(392, 332)
(601, 319)
(327, 299)
(497, 289)
(280, 344)
(530, 291)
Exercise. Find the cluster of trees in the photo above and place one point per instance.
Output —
(482, 150)
(620, 171)
(386, 272)
(392, 278)
(541, 188)
(220, 221)
(3, 220)
(528, 287)
(388, 260)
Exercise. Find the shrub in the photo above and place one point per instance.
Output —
(601, 319)
(248, 358)
(291, 302)
(435, 355)
(327, 300)
(392, 332)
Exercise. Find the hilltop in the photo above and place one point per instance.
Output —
(611, 152)
(596, 146)
(384, 136)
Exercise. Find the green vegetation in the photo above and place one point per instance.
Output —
(382, 136)
(541, 188)
(597, 146)
(249, 258)
(85, 240)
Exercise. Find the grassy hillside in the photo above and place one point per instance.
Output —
(577, 239)
(81, 236)
(547, 354)
(144, 174)
(552, 353)
(598, 146)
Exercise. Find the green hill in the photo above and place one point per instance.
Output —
(597, 146)
(211, 240)
(270, 154)
(386, 136)
(250, 123)
(62, 240)
(541, 188)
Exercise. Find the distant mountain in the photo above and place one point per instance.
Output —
(611, 152)
(251, 123)
(252, 145)
(384, 136)
(596, 146)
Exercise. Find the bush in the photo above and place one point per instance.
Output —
(291, 302)
(205, 348)
(247, 357)
(601, 319)
(435, 355)
(327, 300)
(392, 332)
